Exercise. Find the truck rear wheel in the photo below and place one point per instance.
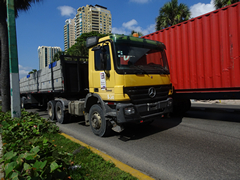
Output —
(60, 113)
(98, 123)
(51, 110)
(23, 105)
(22, 102)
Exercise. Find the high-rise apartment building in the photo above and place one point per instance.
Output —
(93, 18)
(69, 33)
(46, 55)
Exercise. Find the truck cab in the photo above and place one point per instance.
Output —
(129, 82)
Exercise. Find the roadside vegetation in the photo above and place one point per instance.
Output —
(34, 149)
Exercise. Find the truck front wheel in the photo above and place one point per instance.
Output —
(61, 115)
(98, 123)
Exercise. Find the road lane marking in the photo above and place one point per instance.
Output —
(120, 165)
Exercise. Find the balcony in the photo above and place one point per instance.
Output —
(95, 28)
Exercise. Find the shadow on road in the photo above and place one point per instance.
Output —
(141, 130)
(210, 114)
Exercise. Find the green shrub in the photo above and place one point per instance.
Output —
(27, 154)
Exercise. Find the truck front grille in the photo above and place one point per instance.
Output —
(139, 95)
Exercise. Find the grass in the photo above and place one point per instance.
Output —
(92, 165)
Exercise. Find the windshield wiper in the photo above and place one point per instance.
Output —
(164, 70)
(160, 68)
(142, 70)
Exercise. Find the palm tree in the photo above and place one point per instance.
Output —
(222, 3)
(171, 13)
(20, 5)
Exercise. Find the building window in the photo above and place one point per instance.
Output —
(45, 57)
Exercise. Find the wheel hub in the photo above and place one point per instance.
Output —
(59, 112)
(50, 111)
(96, 121)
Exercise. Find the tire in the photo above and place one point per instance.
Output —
(98, 123)
(23, 105)
(22, 102)
(51, 110)
(61, 115)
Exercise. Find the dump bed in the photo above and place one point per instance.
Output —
(64, 76)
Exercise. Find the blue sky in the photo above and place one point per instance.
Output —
(42, 24)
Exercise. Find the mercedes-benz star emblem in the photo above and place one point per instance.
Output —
(152, 92)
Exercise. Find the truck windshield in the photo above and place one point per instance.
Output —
(137, 58)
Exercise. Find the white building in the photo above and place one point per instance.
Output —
(46, 55)
(69, 34)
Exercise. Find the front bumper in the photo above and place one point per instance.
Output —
(143, 112)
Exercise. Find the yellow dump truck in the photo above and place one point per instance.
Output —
(125, 80)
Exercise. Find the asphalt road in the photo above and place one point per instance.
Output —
(204, 144)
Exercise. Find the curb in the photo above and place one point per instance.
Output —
(120, 165)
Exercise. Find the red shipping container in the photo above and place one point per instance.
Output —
(204, 52)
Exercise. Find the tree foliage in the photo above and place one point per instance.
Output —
(222, 3)
(33, 71)
(171, 13)
(79, 48)
(57, 55)
(20, 5)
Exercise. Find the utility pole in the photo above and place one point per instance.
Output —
(13, 60)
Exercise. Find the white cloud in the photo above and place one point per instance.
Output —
(23, 71)
(140, 1)
(150, 29)
(201, 8)
(67, 10)
(130, 24)
(127, 27)
(119, 30)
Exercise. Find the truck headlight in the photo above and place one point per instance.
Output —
(129, 110)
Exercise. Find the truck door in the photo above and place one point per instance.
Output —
(103, 79)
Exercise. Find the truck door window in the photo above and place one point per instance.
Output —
(98, 65)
